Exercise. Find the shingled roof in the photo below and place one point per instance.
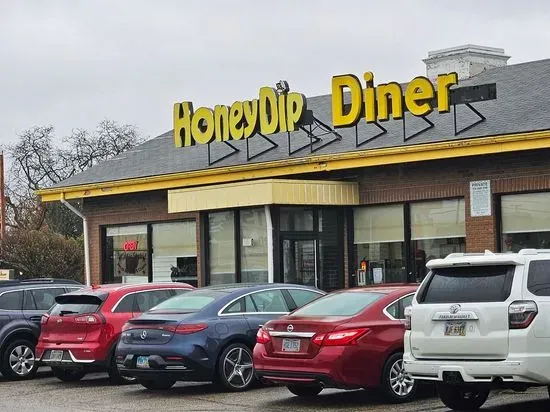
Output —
(522, 105)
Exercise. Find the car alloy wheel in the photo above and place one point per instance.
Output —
(21, 360)
(236, 367)
(396, 385)
(400, 382)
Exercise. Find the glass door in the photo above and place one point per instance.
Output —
(300, 261)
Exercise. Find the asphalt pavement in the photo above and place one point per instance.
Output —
(95, 393)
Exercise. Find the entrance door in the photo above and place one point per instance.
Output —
(300, 261)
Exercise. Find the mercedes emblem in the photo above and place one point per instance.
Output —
(143, 335)
(289, 328)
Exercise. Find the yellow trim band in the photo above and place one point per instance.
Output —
(322, 163)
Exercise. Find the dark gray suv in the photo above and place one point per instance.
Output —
(22, 304)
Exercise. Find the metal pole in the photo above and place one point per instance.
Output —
(86, 239)
(3, 201)
(270, 274)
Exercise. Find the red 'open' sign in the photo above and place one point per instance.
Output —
(130, 245)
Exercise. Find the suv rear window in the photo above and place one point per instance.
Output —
(538, 282)
(339, 304)
(468, 284)
(76, 305)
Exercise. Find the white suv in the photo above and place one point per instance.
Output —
(480, 321)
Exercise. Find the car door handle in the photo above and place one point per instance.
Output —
(260, 326)
(36, 318)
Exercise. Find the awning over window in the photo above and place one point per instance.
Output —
(263, 192)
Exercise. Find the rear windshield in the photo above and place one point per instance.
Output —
(339, 304)
(76, 305)
(186, 303)
(468, 284)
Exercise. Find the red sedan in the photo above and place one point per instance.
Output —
(80, 332)
(349, 339)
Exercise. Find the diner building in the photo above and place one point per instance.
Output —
(361, 186)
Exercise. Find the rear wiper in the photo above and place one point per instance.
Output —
(67, 312)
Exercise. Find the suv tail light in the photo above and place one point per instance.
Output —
(340, 338)
(89, 319)
(263, 336)
(521, 314)
(408, 317)
(44, 319)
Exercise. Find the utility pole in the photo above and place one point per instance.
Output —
(2, 202)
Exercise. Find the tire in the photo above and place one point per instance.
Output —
(463, 398)
(18, 360)
(305, 391)
(396, 385)
(116, 378)
(68, 375)
(235, 371)
(156, 384)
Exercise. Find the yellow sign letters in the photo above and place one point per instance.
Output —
(375, 102)
(271, 113)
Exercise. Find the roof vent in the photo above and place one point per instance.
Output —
(467, 60)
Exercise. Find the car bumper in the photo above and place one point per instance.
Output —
(524, 370)
(186, 363)
(327, 369)
(74, 355)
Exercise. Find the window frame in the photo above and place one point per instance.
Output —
(282, 289)
(400, 306)
(113, 309)
(107, 277)
(21, 291)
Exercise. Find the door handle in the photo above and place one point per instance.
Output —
(260, 326)
(36, 318)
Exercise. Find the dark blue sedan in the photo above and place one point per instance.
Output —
(205, 334)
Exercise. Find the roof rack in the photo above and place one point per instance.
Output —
(533, 251)
(462, 254)
(39, 280)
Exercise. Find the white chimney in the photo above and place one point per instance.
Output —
(467, 60)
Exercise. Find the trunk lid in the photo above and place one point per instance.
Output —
(154, 329)
(73, 319)
(292, 337)
(462, 313)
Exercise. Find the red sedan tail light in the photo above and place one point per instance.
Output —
(44, 319)
(89, 319)
(340, 338)
(262, 336)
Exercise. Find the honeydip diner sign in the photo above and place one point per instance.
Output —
(279, 110)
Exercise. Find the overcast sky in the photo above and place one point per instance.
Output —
(72, 63)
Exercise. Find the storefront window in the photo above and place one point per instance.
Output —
(126, 253)
(296, 219)
(221, 243)
(437, 229)
(379, 244)
(525, 221)
(253, 246)
(175, 252)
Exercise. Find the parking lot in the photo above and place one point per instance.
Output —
(94, 393)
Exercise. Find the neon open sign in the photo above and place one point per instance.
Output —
(130, 245)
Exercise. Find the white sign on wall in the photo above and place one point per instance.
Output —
(480, 198)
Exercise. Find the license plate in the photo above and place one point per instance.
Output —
(291, 345)
(56, 355)
(142, 362)
(455, 329)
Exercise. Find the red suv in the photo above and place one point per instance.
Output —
(349, 339)
(80, 333)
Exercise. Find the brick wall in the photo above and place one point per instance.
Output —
(147, 207)
(509, 173)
